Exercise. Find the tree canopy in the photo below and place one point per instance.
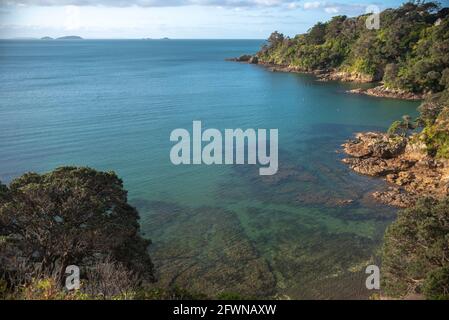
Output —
(410, 51)
(416, 251)
(71, 216)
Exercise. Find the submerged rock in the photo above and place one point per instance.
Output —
(204, 250)
(395, 197)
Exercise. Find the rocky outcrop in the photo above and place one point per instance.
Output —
(335, 75)
(278, 68)
(347, 77)
(253, 60)
(384, 92)
(243, 58)
(403, 163)
(323, 74)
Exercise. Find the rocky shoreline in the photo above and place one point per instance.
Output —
(383, 92)
(380, 91)
(403, 163)
(245, 58)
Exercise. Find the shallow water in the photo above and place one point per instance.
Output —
(112, 104)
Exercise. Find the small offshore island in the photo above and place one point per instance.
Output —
(63, 38)
(407, 58)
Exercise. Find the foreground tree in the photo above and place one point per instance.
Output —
(416, 251)
(69, 216)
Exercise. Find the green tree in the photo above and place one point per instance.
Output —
(316, 34)
(69, 216)
(416, 251)
(410, 51)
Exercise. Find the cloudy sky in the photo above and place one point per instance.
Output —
(171, 18)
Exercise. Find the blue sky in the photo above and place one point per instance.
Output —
(171, 18)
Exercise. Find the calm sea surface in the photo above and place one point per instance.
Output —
(111, 105)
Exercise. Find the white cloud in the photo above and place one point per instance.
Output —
(149, 3)
(72, 19)
(293, 5)
(335, 7)
(332, 9)
(313, 4)
(328, 7)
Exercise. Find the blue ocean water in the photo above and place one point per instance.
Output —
(111, 105)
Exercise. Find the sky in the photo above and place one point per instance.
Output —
(178, 19)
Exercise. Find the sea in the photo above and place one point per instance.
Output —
(307, 232)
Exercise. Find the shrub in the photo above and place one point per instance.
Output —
(71, 216)
(416, 251)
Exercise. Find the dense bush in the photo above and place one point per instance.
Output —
(71, 216)
(434, 119)
(416, 251)
(410, 51)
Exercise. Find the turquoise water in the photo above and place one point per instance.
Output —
(112, 104)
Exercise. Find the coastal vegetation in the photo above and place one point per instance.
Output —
(409, 51)
(416, 251)
(71, 216)
(416, 247)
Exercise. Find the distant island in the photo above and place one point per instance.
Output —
(70, 38)
(156, 39)
(63, 38)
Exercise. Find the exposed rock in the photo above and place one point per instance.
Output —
(376, 167)
(403, 162)
(278, 68)
(243, 58)
(323, 74)
(395, 197)
(415, 149)
(375, 144)
(338, 75)
(347, 77)
(384, 92)
(253, 60)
